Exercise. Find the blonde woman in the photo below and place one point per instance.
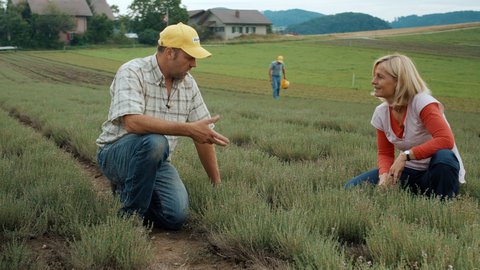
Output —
(411, 121)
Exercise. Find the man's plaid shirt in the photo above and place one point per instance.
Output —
(139, 88)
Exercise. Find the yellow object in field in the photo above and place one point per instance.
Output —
(285, 84)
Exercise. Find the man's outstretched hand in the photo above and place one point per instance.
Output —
(202, 133)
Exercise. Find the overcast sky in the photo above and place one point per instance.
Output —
(384, 9)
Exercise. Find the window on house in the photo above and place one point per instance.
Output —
(233, 29)
(240, 29)
(246, 29)
(254, 29)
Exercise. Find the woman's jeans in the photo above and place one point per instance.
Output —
(276, 86)
(145, 180)
(440, 179)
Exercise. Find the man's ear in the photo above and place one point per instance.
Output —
(170, 53)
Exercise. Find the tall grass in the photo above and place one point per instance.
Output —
(281, 202)
(44, 193)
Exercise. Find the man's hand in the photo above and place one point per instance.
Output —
(201, 132)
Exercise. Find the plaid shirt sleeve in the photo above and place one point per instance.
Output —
(127, 94)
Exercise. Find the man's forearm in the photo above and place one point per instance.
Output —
(142, 124)
(208, 157)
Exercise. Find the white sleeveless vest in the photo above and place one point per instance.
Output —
(414, 132)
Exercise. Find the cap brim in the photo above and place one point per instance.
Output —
(197, 52)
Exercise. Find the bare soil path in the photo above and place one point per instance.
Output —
(184, 249)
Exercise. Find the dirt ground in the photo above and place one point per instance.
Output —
(184, 249)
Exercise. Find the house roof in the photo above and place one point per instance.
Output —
(102, 7)
(239, 16)
(70, 7)
(193, 13)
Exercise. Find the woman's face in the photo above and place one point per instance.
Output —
(383, 83)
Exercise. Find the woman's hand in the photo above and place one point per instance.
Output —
(385, 180)
(397, 168)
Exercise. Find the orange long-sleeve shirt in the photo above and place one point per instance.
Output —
(436, 125)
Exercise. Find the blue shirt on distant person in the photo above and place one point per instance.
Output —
(277, 68)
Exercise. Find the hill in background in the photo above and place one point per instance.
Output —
(339, 23)
(284, 18)
(437, 19)
(304, 22)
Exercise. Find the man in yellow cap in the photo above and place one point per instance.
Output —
(153, 101)
(275, 71)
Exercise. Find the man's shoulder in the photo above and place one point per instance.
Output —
(138, 63)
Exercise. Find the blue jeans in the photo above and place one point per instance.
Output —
(440, 179)
(276, 86)
(146, 182)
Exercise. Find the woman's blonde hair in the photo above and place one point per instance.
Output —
(409, 82)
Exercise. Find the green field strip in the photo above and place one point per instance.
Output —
(69, 58)
(282, 194)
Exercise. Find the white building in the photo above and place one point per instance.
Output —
(228, 24)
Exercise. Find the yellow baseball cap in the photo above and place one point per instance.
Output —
(280, 59)
(183, 37)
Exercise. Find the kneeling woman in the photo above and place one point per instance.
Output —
(412, 121)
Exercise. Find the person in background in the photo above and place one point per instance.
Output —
(153, 101)
(275, 71)
(412, 121)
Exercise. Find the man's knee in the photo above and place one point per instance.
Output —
(176, 220)
(171, 221)
(156, 146)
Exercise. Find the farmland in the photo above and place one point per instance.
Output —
(282, 202)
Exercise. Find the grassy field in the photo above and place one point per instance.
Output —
(282, 203)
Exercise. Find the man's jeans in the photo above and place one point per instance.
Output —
(146, 181)
(276, 86)
(441, 177)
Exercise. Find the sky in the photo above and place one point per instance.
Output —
(384, 9)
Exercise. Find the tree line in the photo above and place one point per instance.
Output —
(339, 23)
(302, 22)
(24, 29)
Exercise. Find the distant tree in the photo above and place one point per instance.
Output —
(156, 14)
(118, 36)
(124, 23)
(100, 28)
(339, 23)
(19, 27)
(46, 28)
(148, 36)
(437, 19)
(289, 17)
(14, 29)
(115, 10)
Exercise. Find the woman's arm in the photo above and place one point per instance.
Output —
(438, 127)
(385, 152)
